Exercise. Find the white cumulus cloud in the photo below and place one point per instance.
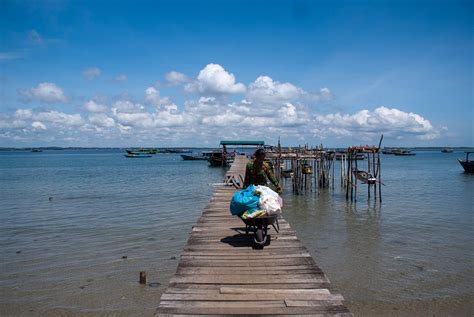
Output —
(93, 106)
(37, 125)
(102, 120)
(152, 96)
(46, 92)
(214, 79)
(60, 118)
(264, 89)
(23, 113)
(389, 121)
(126, 106)
(174, 78)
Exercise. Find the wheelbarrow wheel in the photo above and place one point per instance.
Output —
(260, 239)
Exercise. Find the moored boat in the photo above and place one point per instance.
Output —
(467, 164)
(388, 151)
(287, 173)
(447, 150)
(142, 151)
(193, 157)
(400, 152)
(365, 177)
(134, 155)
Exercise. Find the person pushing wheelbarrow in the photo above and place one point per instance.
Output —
(257, 172)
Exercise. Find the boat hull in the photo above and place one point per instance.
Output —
(193, 157)
(467, 165)
(137, 155)
(404, 154)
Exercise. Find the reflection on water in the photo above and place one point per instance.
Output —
(77, 227)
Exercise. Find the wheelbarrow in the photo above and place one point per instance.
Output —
(259, 226)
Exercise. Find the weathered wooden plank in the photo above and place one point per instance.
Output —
(244, 279)
(223, 304)
(245, 290)
(298, 299)
(234, 270)
(259, 286)
(338, 311)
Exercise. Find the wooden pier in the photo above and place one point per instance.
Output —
(220, 272)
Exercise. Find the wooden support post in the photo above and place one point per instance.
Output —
(142, 277)
(355, 181)
(380, 177)
(368, 171)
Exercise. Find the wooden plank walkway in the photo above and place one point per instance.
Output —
(220, 273)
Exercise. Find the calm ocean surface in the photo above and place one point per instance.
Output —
(64, 255)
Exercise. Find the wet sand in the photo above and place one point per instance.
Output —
(442, 307)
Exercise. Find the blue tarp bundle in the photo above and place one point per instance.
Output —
(244, 200)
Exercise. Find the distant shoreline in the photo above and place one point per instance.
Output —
(58, 148)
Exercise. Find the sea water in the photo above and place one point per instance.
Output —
(77, 227)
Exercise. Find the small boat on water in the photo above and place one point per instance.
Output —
(287, 173)
(36, 150)
(467, 164)
(217, 159)
(388, 151)
(134, 155)
(176, 151)
(142, 151)
(447, 150)
(365, 177)
(193, 157)
(400, 152)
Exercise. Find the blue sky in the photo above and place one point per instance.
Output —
(189, 73)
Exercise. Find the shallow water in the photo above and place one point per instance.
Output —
(64, 255)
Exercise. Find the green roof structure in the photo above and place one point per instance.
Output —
(254, 143)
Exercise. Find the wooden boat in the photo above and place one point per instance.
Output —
(137, 155)
(287, 173)
(467, 164)
(142, 151)
(388, 151)
(217, 159)
(193, 157)
(365, 177)
(447, 150)
(176, 151)
(403, 152)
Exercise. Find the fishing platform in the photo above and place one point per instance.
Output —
(221, 272)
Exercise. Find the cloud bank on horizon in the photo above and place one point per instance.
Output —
(216, 106)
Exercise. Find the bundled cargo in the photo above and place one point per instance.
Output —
(244, 200)
(258, 207)
(255, 201)
(269, 200)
